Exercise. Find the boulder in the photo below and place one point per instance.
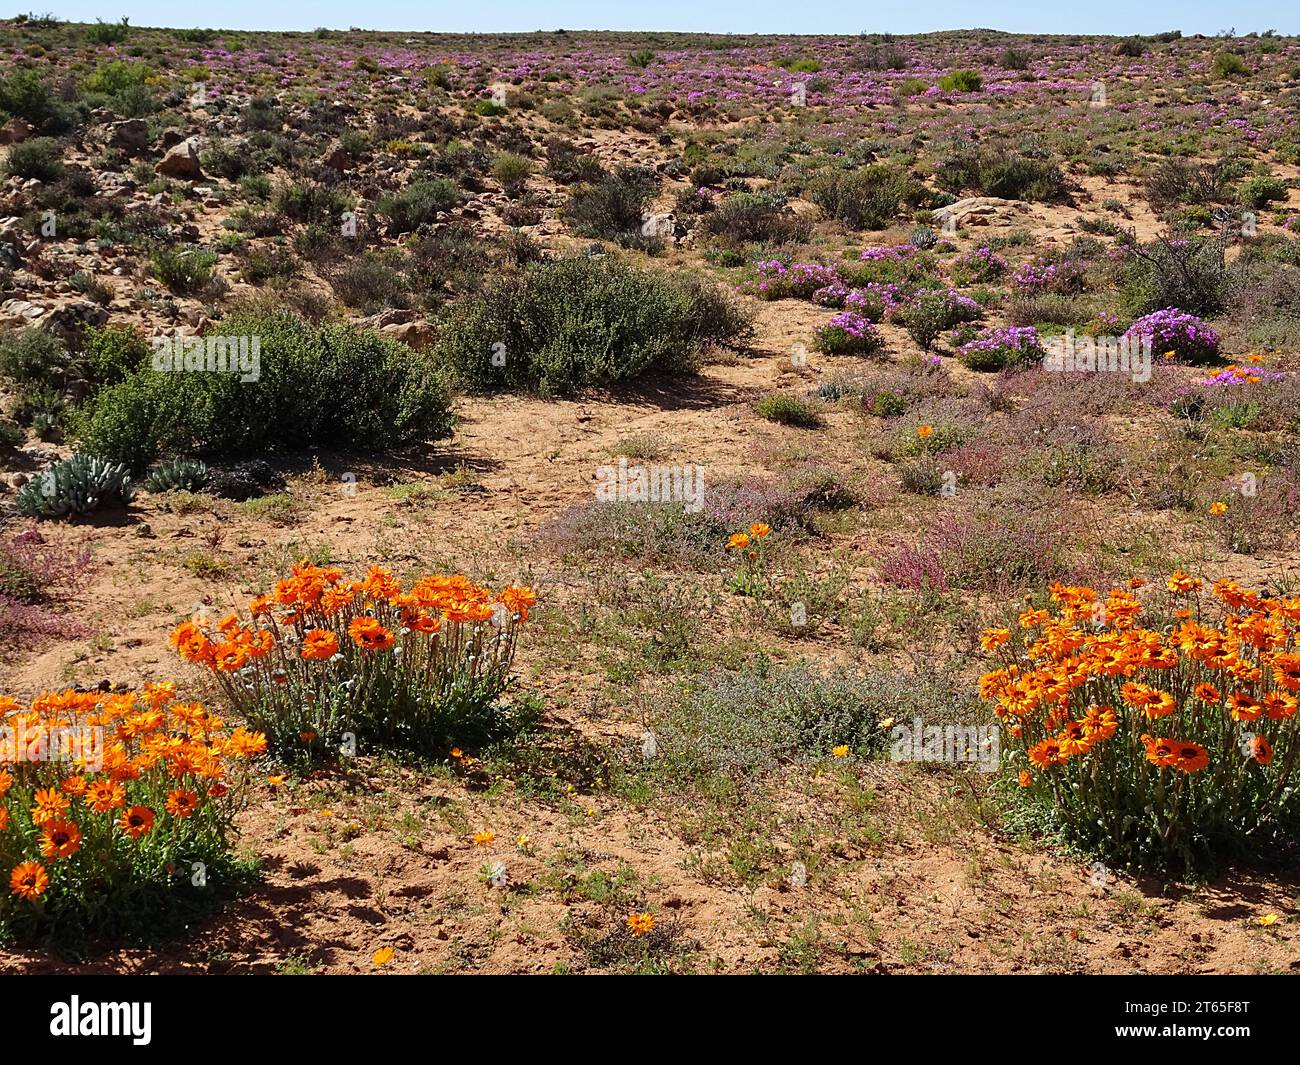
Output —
(337, 158)
(131, 136)
(417, 335)
(15, 131)
(182, 161)
(976, 211)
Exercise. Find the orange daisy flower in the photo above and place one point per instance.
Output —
(29, 881)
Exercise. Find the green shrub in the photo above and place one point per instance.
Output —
(112, 353)
(962, 81)
(868, 198)
(316, 385)
(756, 218)
(40, 158)
(25, 94)
(997, 171)
(740, 723)
(931, 312)
(1261, 190)
(788, 410)
(310, 202)
(417, 204)
(115, 77)
(1229, 65)
(572, 323)
(108, 32)
(614, 207)
(32, 356)
(512, 170)
(183, 269)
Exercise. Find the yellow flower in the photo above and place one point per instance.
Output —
(1218, 507)
(382, 957)
(484, 838)
(1267, 919)
(842, 751)
(522, 842)
(737, 540)
(886, 722)
(924, 431)
(759, 529)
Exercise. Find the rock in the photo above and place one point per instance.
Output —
(11, 255)
(19, 313)
(417, 335)
(68, 321)
(15, 131)
(337, 158)
(182, 161)
(976, 210)
(131, 136)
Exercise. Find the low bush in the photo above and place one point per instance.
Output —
(323, 657)
(573, 323)
(866, 198)
(998, 171)
(40, 158)
(615, 207)
(417, 204)
(316, 384)
(741, 723)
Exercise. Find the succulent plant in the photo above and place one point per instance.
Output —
(172, 475)
(75, 486)
(923, 237)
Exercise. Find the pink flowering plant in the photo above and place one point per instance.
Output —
(848, 333)
(1175, 335)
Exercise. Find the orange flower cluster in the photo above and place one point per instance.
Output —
(321, 655)
(738, 541)
(1090, 695)
(321, 595)
(82, 766)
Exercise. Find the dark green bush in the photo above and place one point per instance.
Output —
(867, 198)
(182, 269)
(318, 385)
(756, 218)
(614, 207)
(25, 94)
(32, 356)
(417, 204)
(309, 202)
(40, 158)
(998, 171)
(572, 323)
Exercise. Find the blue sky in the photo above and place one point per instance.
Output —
(736, 16)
